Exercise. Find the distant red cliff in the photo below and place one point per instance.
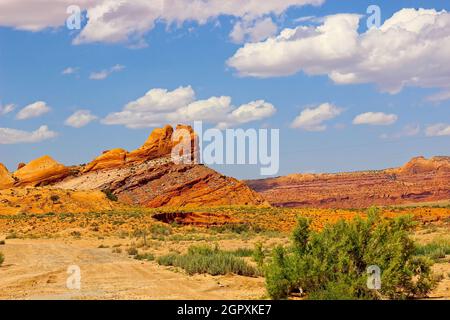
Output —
(420, 180)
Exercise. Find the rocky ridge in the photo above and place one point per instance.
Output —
(420, 180)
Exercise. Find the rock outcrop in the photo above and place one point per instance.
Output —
(109, 159)
(420, 180)
(6, 180)
(159, 144)
(40, 172)
(150, 177)
(178, 185)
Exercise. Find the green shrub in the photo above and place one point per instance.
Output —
(160, 230)
(110, 195)
(258, 254)
(2, 258)
(332, 264)
(145, 256)
(204, 259)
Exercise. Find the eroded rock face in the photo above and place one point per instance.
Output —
(158, 144)
(183, 186)
(150, 177)
(420, 180)
(6, 180)
(41, 172)
(109, 159)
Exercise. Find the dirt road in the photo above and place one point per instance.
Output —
(37, 269)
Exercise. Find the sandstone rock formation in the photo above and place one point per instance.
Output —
(158, 144)
(420, 180)
(109, 159)
(6, 180)
(149, 177)
(40, 172)
(182, 186)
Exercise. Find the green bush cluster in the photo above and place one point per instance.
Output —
(332, 264)
(205, 259)
(110, 195)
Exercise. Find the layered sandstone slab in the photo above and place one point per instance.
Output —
(6, 179)
(158, 144)
(420, 180)
(183, 186)
(160, 182)
(151, 177)
(109, 159)
(40, 172)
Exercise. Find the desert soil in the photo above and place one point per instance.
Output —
(37, 269)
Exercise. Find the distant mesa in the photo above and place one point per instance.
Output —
(419, 180)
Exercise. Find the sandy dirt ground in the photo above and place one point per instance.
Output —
(37, 269)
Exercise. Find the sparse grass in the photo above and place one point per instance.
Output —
(2, 242)
(102, 246)
(435, 250)
(2, 259)
(132, 251)
(145, 256)
(205, 259)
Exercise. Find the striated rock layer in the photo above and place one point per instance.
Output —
(148, 176)
(420, 180)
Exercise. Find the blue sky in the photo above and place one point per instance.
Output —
(196, 54)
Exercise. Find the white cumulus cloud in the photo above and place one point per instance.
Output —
(80, 119)
(161, 106)
(412, 48)
(375, 119)
(113, 21)
(33, 110)
(69, 70)
(7, 109)
(312, 119)
(14, 136)
(438, 130)
(103, 74)
(253, 30)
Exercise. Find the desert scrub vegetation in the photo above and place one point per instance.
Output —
(210, 260)
(435, 250)
(110, 195)
(2, 258)
(332, 263)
